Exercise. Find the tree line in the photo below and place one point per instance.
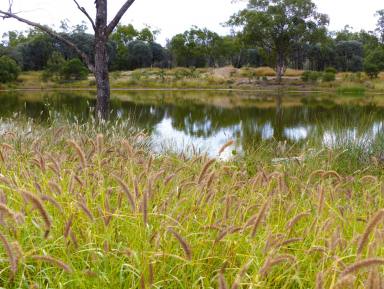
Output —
(130, 48)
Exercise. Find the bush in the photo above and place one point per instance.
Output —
(374, 63)
(312, 76)
(54, 67)
(74, 69)
(328, 76)
(9, 70)
(372, 70)
(330, 70)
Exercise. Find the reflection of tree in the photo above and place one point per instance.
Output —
(251, 124)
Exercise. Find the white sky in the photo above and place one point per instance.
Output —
(175, 16)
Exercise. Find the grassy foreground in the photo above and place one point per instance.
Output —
(79, 209)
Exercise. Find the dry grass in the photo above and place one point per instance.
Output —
(293, 72)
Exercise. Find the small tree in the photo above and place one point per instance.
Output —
(9, 70)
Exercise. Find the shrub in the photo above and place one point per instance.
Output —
(372, 70)
(312, 76)
(9, 70)
(54, 67)
(328, 76)
(183, 72)
(330, 70)
(137, 75)
(249, 73)
(74, 69)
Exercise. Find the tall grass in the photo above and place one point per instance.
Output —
(121, 217)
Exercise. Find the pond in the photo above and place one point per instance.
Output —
(208, 119)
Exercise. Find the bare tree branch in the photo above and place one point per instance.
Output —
(82, 9)
(118, 16)
(54, 34)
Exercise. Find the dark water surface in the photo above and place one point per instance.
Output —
(209, 119)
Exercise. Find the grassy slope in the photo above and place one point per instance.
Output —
(189, 221)
(227, 77)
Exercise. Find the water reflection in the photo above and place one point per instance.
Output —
(183, 123)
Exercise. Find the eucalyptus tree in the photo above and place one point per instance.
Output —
(278, 25)
(102, 30)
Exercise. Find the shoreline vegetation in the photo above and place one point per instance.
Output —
(93, 207)
(227, 78)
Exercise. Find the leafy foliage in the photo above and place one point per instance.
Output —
(374, 63)
(9, 70)
(74, 69)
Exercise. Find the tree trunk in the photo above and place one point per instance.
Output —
(101, 61)
(280, 67)
(102, 80)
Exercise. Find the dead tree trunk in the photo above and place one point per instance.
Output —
(99, 67)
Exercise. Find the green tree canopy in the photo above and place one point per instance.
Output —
(9, 70)
(278, 25)
(197, 47)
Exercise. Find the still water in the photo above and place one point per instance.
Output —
(208, 119)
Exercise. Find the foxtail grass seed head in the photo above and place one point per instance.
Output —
(37, 203)
(239, 277)
(183, 243)
(362, 264)
(260, 217)
(53, 261)
(204, 170)
(222, 283)
(80, 153)
(225, 146)
(373, 222)
(320, 280)
(13, 260)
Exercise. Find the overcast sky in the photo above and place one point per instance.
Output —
(175, 16)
